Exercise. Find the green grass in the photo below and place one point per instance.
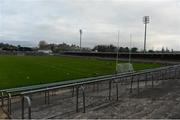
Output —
(16, 71)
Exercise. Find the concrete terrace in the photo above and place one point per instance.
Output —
(161, 101)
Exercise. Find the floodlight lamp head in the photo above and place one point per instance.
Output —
(146, 19)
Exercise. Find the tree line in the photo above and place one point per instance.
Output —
(43, 45)
(98, 48)
(8, 47)
(56, 48)
(112, 48)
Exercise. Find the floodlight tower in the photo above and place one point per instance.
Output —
(145, 21)
(80, 31)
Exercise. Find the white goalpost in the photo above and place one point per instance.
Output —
(124, 67)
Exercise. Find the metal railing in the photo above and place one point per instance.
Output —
(163, 73)
(13, 92)
(116, 79)
(29, 106)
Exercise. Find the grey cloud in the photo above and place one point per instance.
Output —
(60, 20)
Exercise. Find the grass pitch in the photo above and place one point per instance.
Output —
(16, 71)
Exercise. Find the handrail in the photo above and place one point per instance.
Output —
(28, 88)
(9, 103)
(81, 82)
(2, 99)
(96, 80)
(19, 91)
(29, 106)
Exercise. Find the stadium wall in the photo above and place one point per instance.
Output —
(155, 56)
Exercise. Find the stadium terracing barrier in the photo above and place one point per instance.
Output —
(149, 75)
(13, 92)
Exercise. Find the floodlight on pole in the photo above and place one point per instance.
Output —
(80, 31)
(145, 21)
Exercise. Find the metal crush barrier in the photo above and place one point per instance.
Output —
(29, 106)
(150, 75)
(13, 92)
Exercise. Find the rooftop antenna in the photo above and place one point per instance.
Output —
(117, 55)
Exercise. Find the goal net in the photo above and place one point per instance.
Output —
(124, 67)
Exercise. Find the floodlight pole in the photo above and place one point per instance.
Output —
(80, 31)
(146, 21)
(145, 38)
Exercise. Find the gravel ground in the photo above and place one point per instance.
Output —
(161, 102)
(2, 114)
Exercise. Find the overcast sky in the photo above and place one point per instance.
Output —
(57, 21)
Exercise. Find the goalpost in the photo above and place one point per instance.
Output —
(124, 67)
